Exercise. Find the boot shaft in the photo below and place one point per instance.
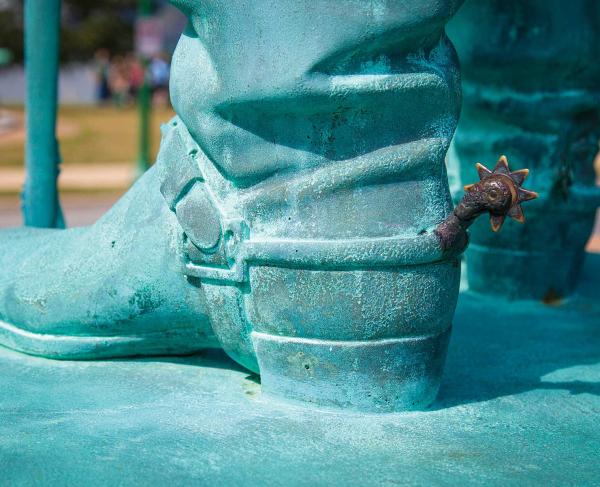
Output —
(313, 112)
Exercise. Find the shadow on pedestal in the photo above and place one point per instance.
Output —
(501, 348)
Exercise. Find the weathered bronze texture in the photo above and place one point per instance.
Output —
(289, 215)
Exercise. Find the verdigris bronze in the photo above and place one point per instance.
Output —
(291, 213)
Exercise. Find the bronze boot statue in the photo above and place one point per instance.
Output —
(294, 210)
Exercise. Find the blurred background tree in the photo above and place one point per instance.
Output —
(86, 25)
(98, 137)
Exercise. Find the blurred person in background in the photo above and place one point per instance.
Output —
(136, 75)
(119, 77)
(102, 68)
(159, 80)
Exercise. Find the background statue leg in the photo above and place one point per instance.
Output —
(530, 91)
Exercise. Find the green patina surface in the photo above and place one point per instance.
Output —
(290, 214)
(519, 405)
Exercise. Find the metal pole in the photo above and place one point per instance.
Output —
(41, 207)
(144, 104)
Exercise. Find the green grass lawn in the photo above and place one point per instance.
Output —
(92, 134)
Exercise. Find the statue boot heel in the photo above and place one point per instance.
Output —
(352, 338)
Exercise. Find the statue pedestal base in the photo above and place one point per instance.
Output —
(519, 403)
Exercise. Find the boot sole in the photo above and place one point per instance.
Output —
(171, 342)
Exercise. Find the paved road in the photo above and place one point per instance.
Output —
(88, 190)
(79, 209)
(78, 177)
